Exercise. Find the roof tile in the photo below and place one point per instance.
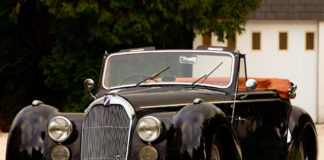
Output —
(290, 9)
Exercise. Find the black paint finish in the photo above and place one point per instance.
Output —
(27, 135)
(74, 142)
(193, 130)
(264, 125)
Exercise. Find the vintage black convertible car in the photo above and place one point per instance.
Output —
(171, 104)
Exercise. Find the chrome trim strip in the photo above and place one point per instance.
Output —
(95, 102)
(256, 92)
(115, 99)
(163, 106)
(213, 102)
(168, 51)
(181, 104)
(258, 100)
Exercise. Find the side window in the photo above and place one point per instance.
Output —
(242, 70)
(206, 38)
(309, 41)
(231, 42)
(283, 41)
(256, 41)
(242, 74)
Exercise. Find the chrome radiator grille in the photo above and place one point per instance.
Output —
(105, 133)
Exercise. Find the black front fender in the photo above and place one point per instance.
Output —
(27, 133)
(193, 129)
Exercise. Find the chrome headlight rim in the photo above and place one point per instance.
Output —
(68, 133)
(148, 151)
(60, 148)
(158, 131)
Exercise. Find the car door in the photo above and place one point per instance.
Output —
(260, 120)
(261, 126)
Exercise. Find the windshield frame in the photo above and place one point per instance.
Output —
(169, 83)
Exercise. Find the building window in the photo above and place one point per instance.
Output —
(206, 38)
(256, 41)
(310, 38)
(231, 42)
(283, 41)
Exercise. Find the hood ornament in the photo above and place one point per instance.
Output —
(107, 100)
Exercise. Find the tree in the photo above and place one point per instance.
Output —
(64, 41)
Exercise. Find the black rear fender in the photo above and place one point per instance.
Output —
(303, 129)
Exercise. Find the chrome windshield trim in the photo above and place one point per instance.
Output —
(114, 99)
(168, 51)
(164, 83)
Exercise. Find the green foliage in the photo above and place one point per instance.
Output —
(48, 47)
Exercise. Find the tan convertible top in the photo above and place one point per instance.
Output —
(280, 85)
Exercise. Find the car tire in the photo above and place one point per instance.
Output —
(216, 150)
(301, 155)
(297, 151)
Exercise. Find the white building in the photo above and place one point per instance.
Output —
(285, 39)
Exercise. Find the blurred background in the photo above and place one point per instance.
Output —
(49, 47)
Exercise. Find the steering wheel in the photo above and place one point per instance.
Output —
(143, 76)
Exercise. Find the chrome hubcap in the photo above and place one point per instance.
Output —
(215, 153)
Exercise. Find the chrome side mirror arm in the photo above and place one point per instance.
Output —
(292, 90)
(89, 85)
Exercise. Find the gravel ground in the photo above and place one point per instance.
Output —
(320, 133)
(3, 144)
(320, 136)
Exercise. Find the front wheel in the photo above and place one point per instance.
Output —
(215, 155)
(216, 150)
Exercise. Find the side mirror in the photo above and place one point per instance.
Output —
(89, 85)
(251, 84)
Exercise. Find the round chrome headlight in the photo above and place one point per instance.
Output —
(149, 128)
(60, 153)
(59, 128)
(148, 153)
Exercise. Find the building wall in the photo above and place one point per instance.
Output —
(296, 64)
(321, 73)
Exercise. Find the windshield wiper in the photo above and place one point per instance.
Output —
(152, 76)
(205, 76)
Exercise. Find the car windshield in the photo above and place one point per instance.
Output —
(209, 68)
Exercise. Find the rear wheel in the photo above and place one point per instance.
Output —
(306, 147)
(308, 143)
(297, 152)
(302, 155)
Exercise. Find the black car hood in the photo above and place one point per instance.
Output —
(142, 98)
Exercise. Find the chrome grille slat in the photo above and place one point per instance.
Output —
(105, 133)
